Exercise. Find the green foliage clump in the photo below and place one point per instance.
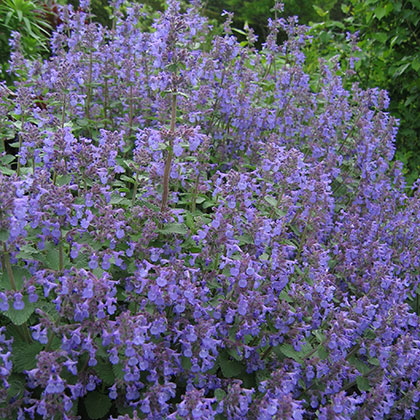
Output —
(388, 54)
(31, 20)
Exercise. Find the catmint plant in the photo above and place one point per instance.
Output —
(194, 228)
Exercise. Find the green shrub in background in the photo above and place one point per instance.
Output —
(255, 13)
(389, 57)
(31, 20)
(388, 31)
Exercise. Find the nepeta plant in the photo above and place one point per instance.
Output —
(192, 228)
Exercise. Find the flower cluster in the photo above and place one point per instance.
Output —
(193, 228)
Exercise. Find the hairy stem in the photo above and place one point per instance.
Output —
(23, 329)
(89, 87)
(9, 268)
(20, 143)
(195, 193)
(60, 255)
(131, 112)
(136, 185)
(168, 163)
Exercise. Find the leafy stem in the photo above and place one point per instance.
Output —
(23, 329)
(20, 143)
(136, 185)
(195, 192)
(168, 162)
(9, 267)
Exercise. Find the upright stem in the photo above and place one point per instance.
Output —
(106, 95)
(23, 329)
(130, 115)
(89, 93)
(168, 163)
(136, 185)
(20, 142)
(195, 192)
(305, 231)
(60, 255)
(9, 268)
(63, 110)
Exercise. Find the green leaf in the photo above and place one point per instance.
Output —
(19, 275)
(6, 171)
(380, 12)
(200, 199)
(362, 383)
(380, 36)
(416, 64)
(320, 11)
(345, 8)
(52, 259)
(118, 371)
(186, 363)
(322, 353)
(393, 40)
(271, 200)
(208, 204)
(359, 365)
(234, 353)
(264, 257)
(24, 356)
(4, 235)
(83, 122)
(219, 394)
(64, 180)
(230, 368)
(290, 352)
(374, 361)
(17, 386)
(189, 220)
(97, 405)
(20, 317)
(127, 179)
(178, 228)
(28, 252)
(239, 31)
(105, 372)
(6, 159)
(246, 239)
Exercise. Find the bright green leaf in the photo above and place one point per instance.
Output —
(320, 11)
(416, 64)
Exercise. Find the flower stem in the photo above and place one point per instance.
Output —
(136, 185)
(60, 256)
(9, 268)
(20, 144)
(194, 195)
(168, 163)
(23, 329)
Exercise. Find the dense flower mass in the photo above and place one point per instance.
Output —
(193, 228)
